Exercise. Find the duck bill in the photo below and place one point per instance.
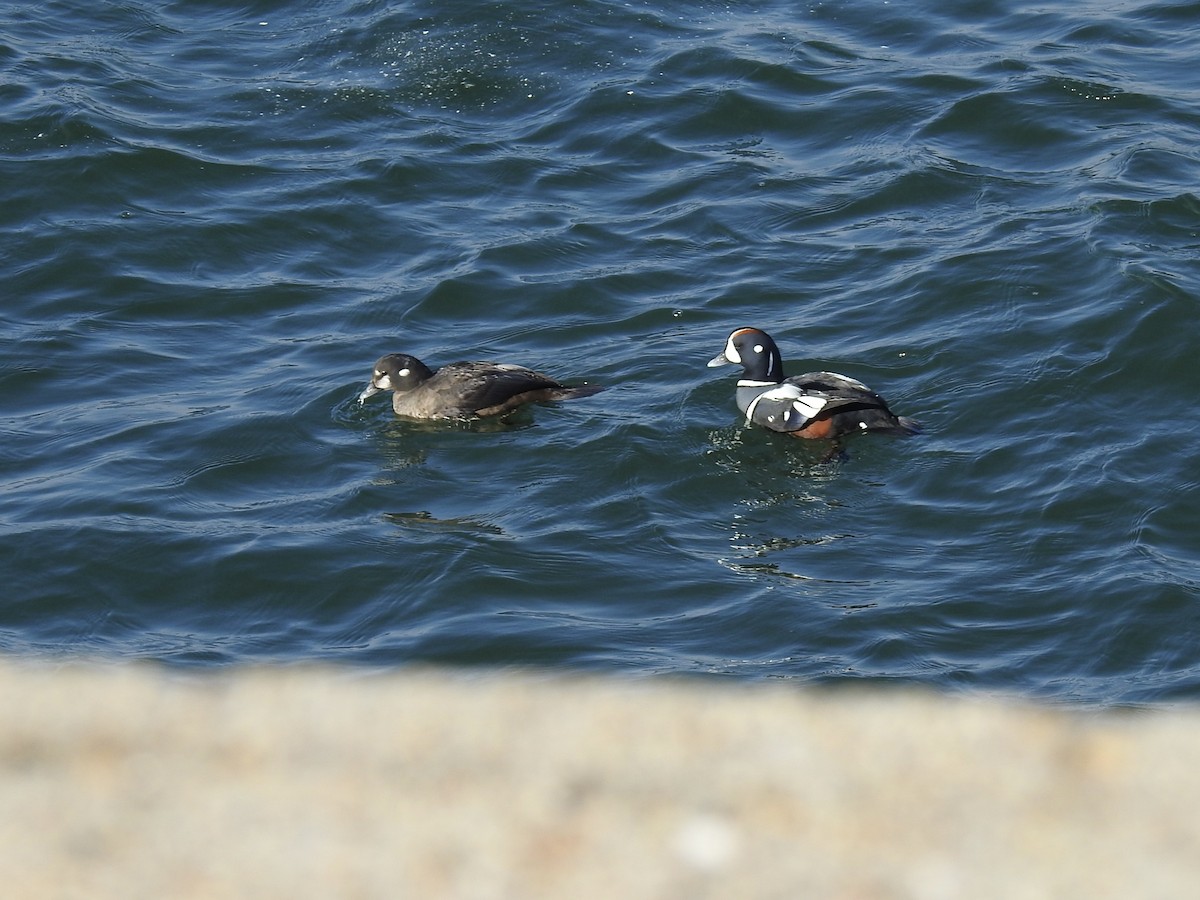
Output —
(371, 391)
(718, 360)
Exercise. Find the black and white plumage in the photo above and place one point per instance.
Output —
(464, 390)
(812, 405)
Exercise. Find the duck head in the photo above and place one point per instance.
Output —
(755, 352)
(396, 372)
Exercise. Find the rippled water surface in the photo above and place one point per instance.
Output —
(215, 217)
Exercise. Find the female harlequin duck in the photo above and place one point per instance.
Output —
(813, 405)
(464, 390)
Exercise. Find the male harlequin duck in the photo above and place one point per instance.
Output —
(813, 405)
(464, 390)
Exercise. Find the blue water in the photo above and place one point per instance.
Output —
(216, 216)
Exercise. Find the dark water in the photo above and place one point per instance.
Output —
(215, 216)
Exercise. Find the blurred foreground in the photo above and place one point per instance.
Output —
(141, 782)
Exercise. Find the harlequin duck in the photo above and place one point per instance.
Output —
(813, 405)
(463, 390)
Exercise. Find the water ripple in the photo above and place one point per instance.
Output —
(215, 219)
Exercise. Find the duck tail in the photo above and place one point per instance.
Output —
(908, 427)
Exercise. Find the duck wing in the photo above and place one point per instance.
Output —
(830, 383)
(786, 407)
(493, 389)
(850, 399)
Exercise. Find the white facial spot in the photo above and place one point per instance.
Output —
(758, 348)
(731, 353)
(862, 425)
(404, 373)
